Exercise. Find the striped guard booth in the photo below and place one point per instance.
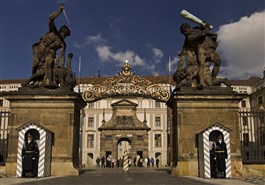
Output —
(44, 145)
(205, 147)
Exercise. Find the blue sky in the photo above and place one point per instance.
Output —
(145, 32)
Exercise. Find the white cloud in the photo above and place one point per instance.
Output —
(241, 44)
(157, 55)
(77, 45)
(105, 54)
(91, 40)
(94, 39)
(173, 65)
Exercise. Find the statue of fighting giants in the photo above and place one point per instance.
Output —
(47, 69)
(198, 53)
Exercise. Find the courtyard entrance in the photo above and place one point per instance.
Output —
(124, 144)
(124, 131)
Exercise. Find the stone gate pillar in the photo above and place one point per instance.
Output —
(194, 110)
(58, 110)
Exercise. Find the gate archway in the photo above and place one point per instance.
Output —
(124, 144)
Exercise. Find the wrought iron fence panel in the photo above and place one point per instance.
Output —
(4, 132)
(252, 136)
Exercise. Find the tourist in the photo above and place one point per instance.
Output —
(98, 161)
(148, 162)
(157, 162)
(134, 161)
(152, 161)
(102, 162)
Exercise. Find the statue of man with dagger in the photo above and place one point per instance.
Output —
(44, 51)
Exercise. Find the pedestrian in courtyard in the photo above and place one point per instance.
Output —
(119, 162)
(98, 162)
(113, 160)
(157, 162)
(148, 162)
(138, 163)
(109, 161)
(134, 161)
(130, 162)
(102, 162)
(145, 162)
(152, 161)
(141, 162)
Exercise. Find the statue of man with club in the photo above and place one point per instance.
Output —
(199, 49)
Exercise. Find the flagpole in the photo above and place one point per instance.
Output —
(79, 78)
(169, 74)
(169, 66)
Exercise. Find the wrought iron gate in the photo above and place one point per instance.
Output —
(4, 123)
(252, 137)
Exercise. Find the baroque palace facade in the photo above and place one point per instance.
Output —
(128, 112)
(125, 112)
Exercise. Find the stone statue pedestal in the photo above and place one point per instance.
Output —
(195, 110)
(57, 110)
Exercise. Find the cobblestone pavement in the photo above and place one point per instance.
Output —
(254, 180)
(234, 181)
(136, 176)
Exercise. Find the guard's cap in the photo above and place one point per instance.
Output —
(219, 137)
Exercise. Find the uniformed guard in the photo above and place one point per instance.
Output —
(221, 155)
(30, 156)
(213, 161)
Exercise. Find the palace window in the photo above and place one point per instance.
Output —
(243, 103)
(1, 103)
(108, 137)
(260, 100)
(261, 118)
(90, 105)
(157, 121)
(245, 120)
(90, 140)
(157, 140)
(140, 138)
(90, 122)
(157, 104)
